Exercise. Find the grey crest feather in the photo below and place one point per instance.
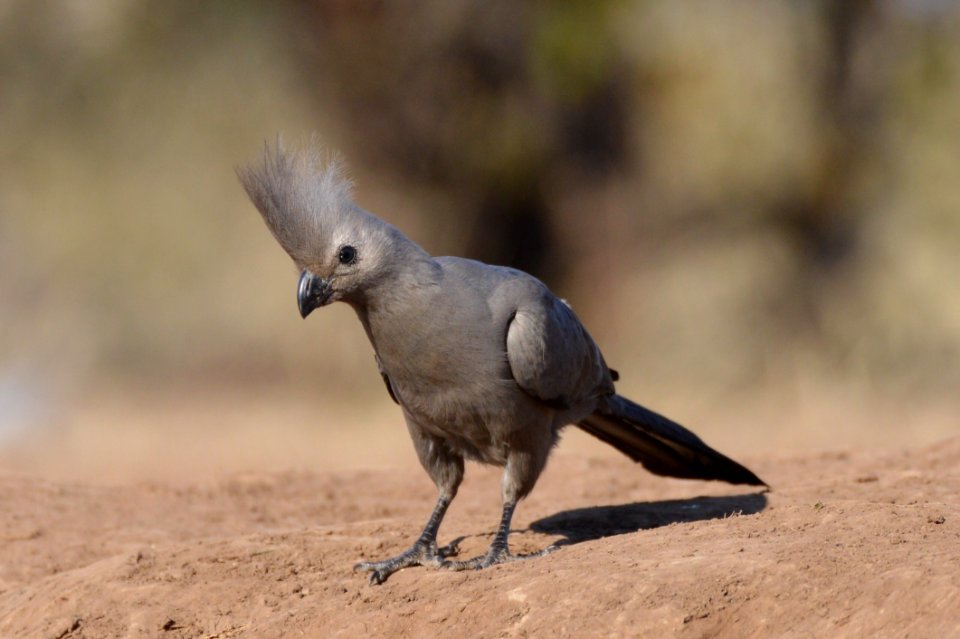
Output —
(303, 195)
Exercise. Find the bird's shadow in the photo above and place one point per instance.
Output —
(586, 524)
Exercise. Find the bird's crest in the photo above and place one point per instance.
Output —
(302, 195)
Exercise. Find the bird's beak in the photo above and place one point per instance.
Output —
(312, 292)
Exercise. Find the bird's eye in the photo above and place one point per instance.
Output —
(347, 254)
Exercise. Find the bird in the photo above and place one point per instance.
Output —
(485, 362)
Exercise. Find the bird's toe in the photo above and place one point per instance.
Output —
(418, 555)
(494, 556)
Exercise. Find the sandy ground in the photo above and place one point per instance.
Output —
(847, 544)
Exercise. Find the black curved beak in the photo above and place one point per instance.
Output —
(312, 292)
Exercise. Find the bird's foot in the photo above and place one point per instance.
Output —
(421, 554)
(498, 554)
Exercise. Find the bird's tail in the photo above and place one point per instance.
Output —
(661, 445)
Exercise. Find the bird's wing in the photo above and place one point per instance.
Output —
(551, 355)
(386, 380)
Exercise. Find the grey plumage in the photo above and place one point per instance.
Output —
(485, 362)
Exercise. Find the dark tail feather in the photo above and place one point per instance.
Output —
(662, 446)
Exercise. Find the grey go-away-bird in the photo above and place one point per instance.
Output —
(485, 362)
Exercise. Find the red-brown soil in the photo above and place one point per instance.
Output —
(863, 544)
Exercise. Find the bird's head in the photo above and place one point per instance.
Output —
(305, 200)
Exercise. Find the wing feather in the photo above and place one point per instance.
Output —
(551, 355)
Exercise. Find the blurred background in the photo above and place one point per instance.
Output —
(754, 207)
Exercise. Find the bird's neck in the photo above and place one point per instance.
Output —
(402, 299)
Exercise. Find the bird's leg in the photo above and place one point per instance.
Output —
(499, 551)
(424, 551)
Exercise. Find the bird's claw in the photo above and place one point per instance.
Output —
(421, 554)
(496, 555)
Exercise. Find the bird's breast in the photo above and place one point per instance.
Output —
(459, 393)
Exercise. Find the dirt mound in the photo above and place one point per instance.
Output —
(858, 544)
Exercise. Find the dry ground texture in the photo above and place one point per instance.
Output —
(857, 544)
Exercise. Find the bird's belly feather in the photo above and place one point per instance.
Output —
(479, 418)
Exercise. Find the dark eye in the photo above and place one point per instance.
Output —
(347, 254)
